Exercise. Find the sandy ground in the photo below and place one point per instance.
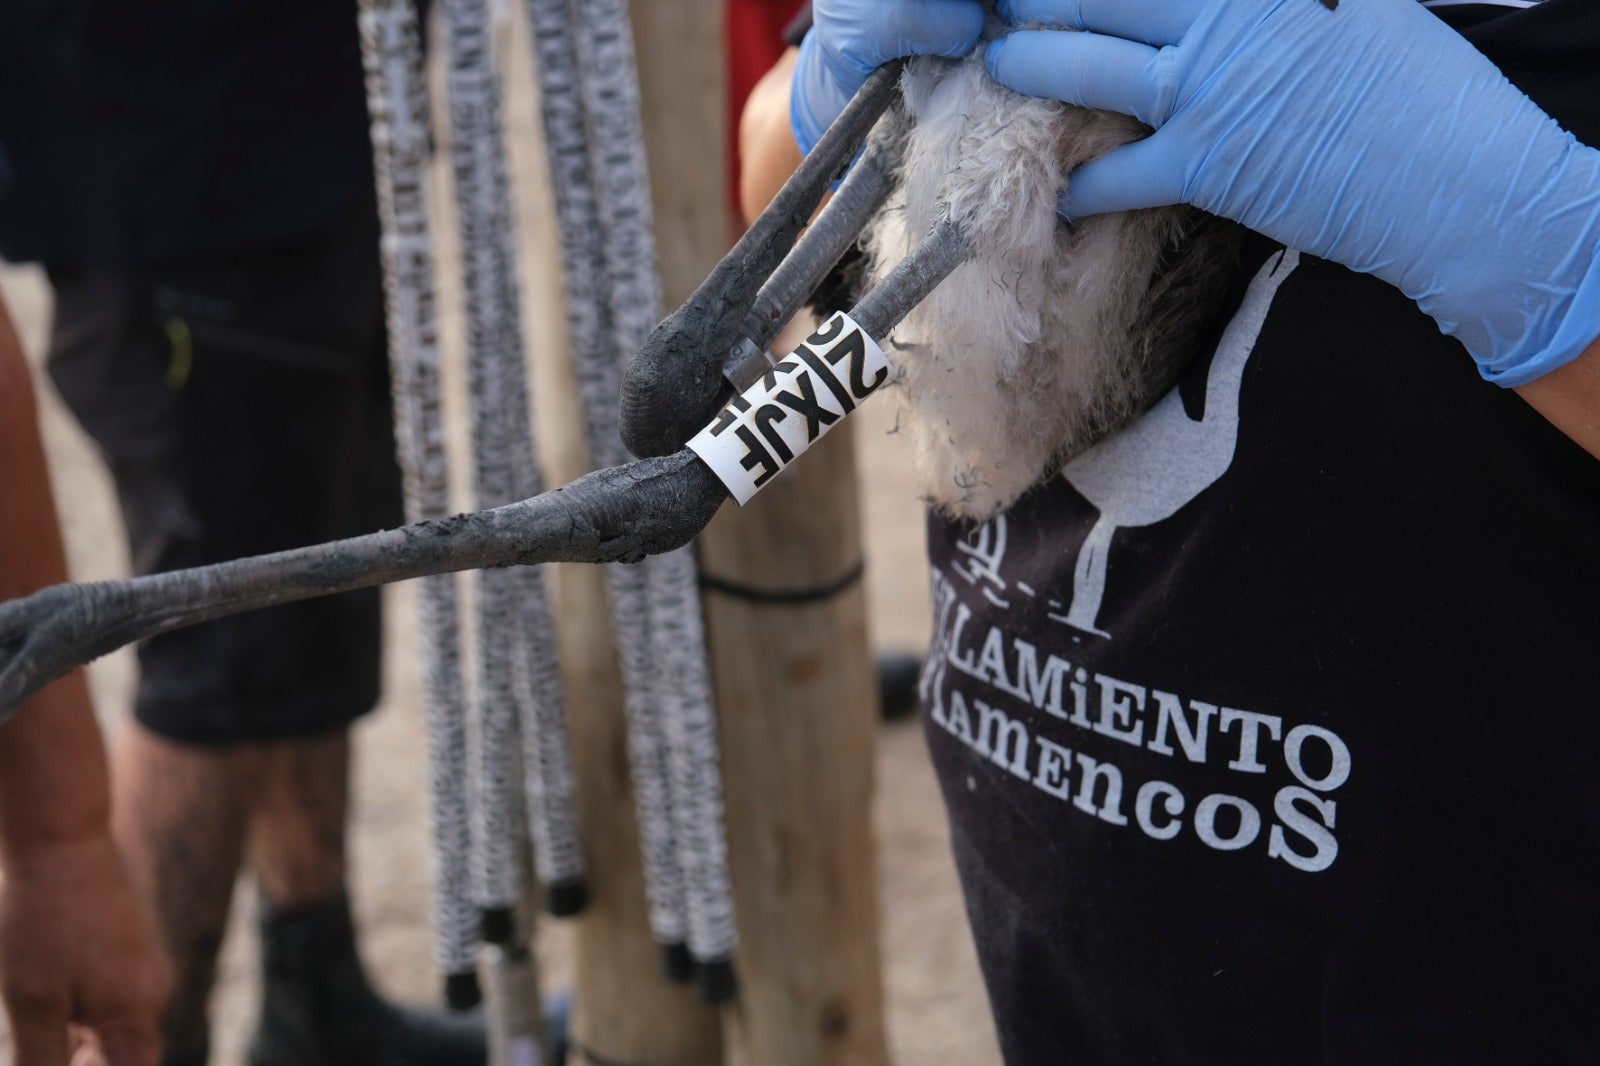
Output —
(936, 1007)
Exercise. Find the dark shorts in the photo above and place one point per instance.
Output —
(242, 407)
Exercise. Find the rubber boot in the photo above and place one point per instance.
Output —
(898, 673)
(318, 1009)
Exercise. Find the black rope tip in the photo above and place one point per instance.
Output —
(566, 898)
(676, 965)
(461, 991)
(499, 926)
(716, 982)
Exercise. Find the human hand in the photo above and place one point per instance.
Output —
(79, 968)
(849, 39)
(1371, 134)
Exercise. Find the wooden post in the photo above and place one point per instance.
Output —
(799, 720)
(624, 1011)
(681, 85)
(794, 681)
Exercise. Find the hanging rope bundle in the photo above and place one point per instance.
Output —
(677, 643)
(398, 105)
(590, 110)
(519, 703)
(676, 637)
(596, 369)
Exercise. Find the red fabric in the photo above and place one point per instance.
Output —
(754, 41)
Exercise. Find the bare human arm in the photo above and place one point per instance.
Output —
(80, 972)
(768, 153)
(1569, 398)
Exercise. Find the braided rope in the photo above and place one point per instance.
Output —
(520, 701)
(677, 648)
(398, 104)
(593, 340)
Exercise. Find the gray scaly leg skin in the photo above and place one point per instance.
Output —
(825, 241)
(620, 514)
(673, 383)
(397, 102)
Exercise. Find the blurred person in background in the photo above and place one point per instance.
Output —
(196, 179)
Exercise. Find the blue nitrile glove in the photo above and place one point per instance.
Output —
(849, 39)
(1371, 134)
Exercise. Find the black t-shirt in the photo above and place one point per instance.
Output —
(139, 132)
(1268, 729)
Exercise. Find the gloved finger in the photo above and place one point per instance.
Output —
(1085, 69)
(815, 94)
(1154, 22)
(930, 27)
(1142, 174)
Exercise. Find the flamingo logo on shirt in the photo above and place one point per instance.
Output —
(1146, 472)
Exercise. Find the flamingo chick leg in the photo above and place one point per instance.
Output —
(620, 514)
(674, 383)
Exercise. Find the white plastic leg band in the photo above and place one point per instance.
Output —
(802, 397)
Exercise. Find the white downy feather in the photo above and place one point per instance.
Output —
(1027, 353)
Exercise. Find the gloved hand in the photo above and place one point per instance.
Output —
(1371, 134)
(849, 39)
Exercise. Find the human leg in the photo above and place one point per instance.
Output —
(318, 1005)
(187, 816)
(180, 814)
(227, 436)
(298, 822)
